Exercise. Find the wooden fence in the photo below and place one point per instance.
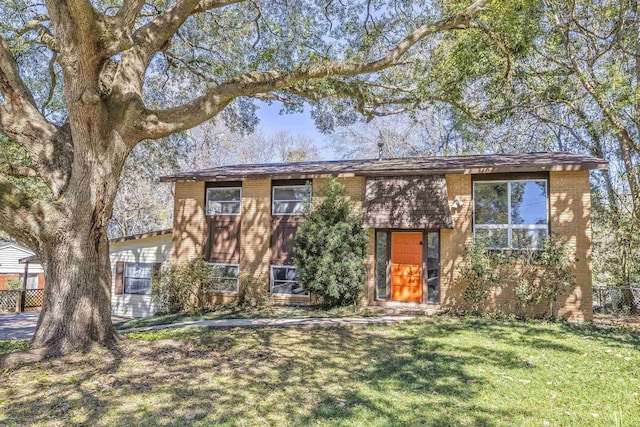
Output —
(20, 300)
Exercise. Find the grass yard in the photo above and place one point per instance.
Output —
(428, 372)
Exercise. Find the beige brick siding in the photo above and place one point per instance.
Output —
(569, 196)
(255, 229)
(453, 241)
(189, 223)
(570, 212)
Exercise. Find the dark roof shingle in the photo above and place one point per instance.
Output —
(472, 164)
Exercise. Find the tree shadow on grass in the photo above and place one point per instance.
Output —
(415, 374)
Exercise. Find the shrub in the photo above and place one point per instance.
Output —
(330, 246)
(184, 287)
(540, 275)
(479, 276)
(252, 292)
(14, 284)
(544, 275)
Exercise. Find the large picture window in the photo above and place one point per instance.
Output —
(227, 278)
(291, 199)
(224, 200)
(510, 214)
(284, 281)
(137, 278)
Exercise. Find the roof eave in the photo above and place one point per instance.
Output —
(595, 165)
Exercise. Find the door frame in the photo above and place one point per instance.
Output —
(424, 271)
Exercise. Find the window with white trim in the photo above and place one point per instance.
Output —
(290, 199)
(224, 200)
(137, 278)
(32, 280)
(284, 281)
(510, 214)
(227, 278)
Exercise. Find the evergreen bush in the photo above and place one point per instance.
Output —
(330, 247)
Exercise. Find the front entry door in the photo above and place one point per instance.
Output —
(406, 267)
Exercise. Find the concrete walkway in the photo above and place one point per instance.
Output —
(15, 326)
(305, 321)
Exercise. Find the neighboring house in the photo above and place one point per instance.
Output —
(11, 266)
(133, 260)
(421, 213)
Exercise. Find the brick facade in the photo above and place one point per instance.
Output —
(4, 278)
(569, 213)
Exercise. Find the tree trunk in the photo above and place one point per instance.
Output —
(74, 250)
(632, 178)
(76, 311)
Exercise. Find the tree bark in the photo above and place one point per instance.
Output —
(74, 247)
(76, 311)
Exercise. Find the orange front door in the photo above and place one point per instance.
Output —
(406, 267)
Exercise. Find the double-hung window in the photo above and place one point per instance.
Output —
(291, 199)
(227, 278)
(510, 214)
(284, 281)
(32, 281)
(137, 278)
(224, 200)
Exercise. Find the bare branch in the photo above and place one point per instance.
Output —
(45, 36)
(52, 76)
(157, 124)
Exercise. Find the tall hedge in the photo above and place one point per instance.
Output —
(330, 247)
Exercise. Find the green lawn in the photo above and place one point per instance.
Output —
(428, 372)
(234, 312)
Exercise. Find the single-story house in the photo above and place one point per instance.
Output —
(133, 260)
(11, 268)
(420, 213)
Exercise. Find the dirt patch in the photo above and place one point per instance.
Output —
(624, 320)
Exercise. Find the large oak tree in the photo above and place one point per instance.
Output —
(82, 82)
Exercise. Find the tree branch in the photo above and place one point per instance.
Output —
(129, 11)
(17, 171)
(12, 86)
(591, 86)
(150, 39)
(45, 36)
(48, 146)
(17, 213)
(156, 124)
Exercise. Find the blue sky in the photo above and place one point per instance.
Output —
(271, 121)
